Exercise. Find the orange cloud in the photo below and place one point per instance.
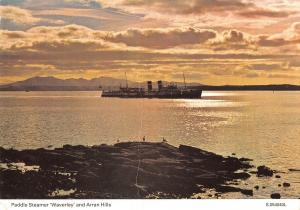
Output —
(161, 38)
(260, 12)
(75, 49)
(198, 7)
(18, 15)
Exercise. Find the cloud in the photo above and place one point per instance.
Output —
(233, 40)
(198, 7)
(265, 41)
(17, 15)
(69, 31)
(185, 40)
(290, 36)
(266, 67)
(291, 33)
(260, 12)
(84, 3)
(161, 38)
(78, 50)
(64, 46)
(181, 6)
(11, 2)
(11, 35)
(65, 12)
(119, 15)
(42, 4)
(285, 76)
(55, 39)
(233, 36)
(178, 40)
(294, 62)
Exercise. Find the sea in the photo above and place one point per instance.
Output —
(260, 125)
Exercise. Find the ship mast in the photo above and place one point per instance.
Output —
(184, 79)
(126, 80)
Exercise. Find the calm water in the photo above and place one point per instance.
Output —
(264, 126)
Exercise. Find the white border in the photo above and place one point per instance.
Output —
(168, 204)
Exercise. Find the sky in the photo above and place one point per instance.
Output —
(214, 42)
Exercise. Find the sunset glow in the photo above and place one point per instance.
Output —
(214, 42)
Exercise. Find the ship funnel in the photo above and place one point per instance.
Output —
(159, 84)
(149, 84)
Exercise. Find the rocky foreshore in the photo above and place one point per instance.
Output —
(123, 170)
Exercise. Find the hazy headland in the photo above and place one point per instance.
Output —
(96, 84)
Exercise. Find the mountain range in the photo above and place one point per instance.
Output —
(55, 84)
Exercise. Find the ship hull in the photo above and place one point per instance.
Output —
(190, 94)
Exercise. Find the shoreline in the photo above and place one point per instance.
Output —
(130, 170)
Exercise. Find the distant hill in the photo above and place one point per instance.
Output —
(55, 84)
(280, 87)
(52, 83)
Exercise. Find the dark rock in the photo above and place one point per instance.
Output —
(108, 149)
(285, 184)
(242, 175)
(247, 192)
(233, 154)
(275, 196)
(279, 185)
(263, 187)
(294, 170)
(256, 187)
(111, 172)
(277, 176)
(197, 152)
(264, 171)
(245, 159)
(226, 189)
(67, 146)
